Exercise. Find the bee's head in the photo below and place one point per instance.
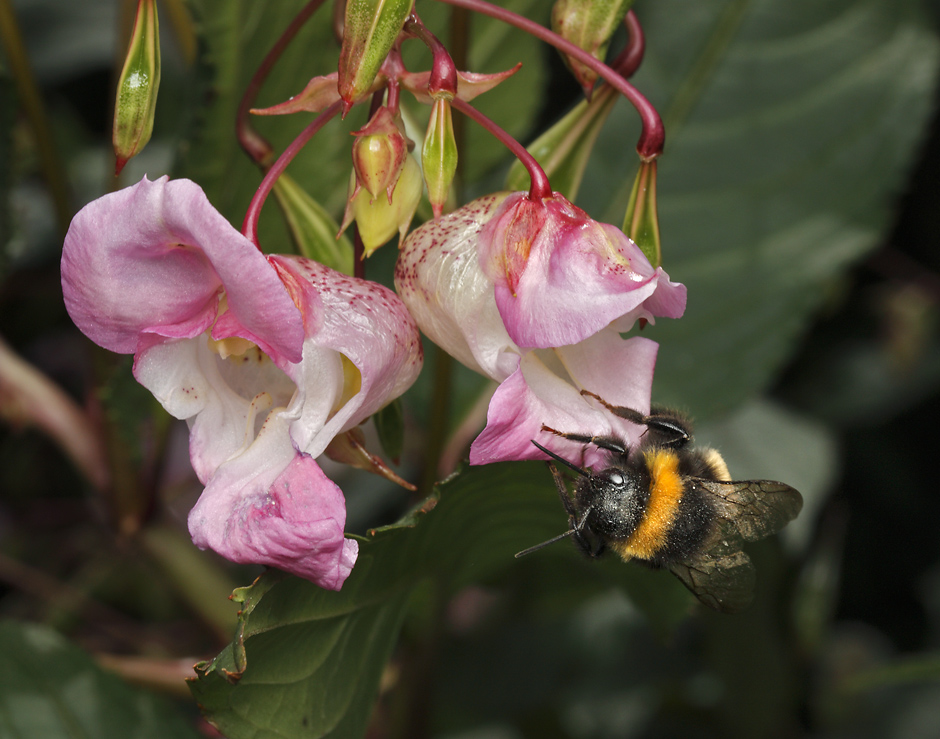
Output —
(617, 499)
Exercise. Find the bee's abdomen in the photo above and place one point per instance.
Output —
(690, 526)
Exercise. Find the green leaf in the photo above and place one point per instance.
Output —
(312, 228)
(50, 688)
(790, 127)
(307, 661)
(564, 150)
(390, 425)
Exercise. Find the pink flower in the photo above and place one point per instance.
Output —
(535, 295)
(267, 357)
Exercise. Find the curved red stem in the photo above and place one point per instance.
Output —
(653, 135)
(250, 224)
(540, 187)
(255, 145)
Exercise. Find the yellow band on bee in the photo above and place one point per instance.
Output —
(666, 489)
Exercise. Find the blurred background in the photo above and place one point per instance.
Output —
(798, 202)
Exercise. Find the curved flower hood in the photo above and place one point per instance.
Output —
(267, 358)
(535, 296)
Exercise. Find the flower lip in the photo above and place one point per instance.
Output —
(275, 506)
(537, 394)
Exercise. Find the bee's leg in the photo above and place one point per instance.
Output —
(576, 520)
(671, 430)
(592, 550)
(610, 443)
(566, 500)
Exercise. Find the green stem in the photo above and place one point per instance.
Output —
(31, 102)
(439, 418)
(443, 363)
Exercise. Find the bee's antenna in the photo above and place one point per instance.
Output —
(524, 552)
(570, 465)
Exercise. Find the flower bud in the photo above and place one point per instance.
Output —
(368, 35)
(589, 24)
(379, 218)
(641, 223)
(439, 154)
(379, 154)
(138, 86)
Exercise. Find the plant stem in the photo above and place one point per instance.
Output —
(52, 168)
(254, 144)
(653, 134)
(439, 416)
(629, 60)
(540, 188)
(250, 224)
(443, 70)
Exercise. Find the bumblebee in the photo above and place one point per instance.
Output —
(672, 506)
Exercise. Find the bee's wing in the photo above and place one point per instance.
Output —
(720, 574)
(722, 577)
(756, 508)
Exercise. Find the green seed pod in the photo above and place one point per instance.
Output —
(589, 24)
(138, 86)
(369, 34)
(641, 223)
(439, 155)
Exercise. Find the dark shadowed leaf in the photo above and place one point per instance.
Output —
(310, 660)
(7, 118)
(50, 688)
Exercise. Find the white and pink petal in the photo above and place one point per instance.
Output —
(273, 505)
(440, 279)
(546, 390)
(365, 352)
(560, 277)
